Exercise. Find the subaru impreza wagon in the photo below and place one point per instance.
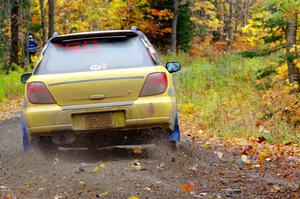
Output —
(110, 84)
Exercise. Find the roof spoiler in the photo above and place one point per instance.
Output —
(135, 29)
(97, 34)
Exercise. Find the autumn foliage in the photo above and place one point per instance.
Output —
(244, 54)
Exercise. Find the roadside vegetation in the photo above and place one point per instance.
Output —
(10, 86)
(226, 97)
(235, 96)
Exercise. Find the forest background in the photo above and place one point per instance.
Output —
(241, 64)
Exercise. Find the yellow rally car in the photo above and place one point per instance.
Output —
(110, 84)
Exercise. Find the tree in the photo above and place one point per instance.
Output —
(230, 24)
(291, 50)
(51, 18)
(14, 32)
(278, 27)
(43, 21)
(3, 15)
(185, 27)
(174, 26)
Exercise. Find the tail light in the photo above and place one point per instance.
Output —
(37, 93)
(155, 84)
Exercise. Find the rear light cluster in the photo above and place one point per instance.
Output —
(37, 93)
(155, 84)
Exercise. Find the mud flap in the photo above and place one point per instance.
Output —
(175, 135)
(26, 143)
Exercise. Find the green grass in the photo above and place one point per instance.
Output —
(10, 85)
(222, 96)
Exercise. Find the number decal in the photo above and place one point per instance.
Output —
(73, 47)
(80, 46)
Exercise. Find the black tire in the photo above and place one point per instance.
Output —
(43, 143)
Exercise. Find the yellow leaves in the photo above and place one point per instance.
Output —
(167, 30)
(209, 20)
(293, 86)
(206, 145)
(250, 166)
(97, 168)
(253, 30)
(294, 48)
(103, 14)
(188, 108)
(204, 5)
(282, 70)
(164, 14)
(133, 197)
(261, 157)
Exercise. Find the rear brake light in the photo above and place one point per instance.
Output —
(155, 84)
(37, 93)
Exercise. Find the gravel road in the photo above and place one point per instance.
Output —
(118, 172)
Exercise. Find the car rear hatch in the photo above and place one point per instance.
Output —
(95, 68)
(96, 87)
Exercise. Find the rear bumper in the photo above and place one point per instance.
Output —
(141, 113)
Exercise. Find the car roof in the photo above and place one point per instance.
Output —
(93, 34)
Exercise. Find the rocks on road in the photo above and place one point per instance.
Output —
(195, 171)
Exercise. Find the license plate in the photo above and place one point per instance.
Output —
(98, 121)
(104, 120)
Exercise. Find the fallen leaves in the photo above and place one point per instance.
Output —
(98, 167)
(261, 156)
(250, 166)
(61, 196)
(275, 189)
(219, 154)
(206, 146)
(245, 159)
(5, 193)
(194, 168)
(135, 165)
(248, 150)
(10, 108)
(137, 150)
(133, 197)
(261, 140)
(187, 188)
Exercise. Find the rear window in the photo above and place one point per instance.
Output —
(94, 54)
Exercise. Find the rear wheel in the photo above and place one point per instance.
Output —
(42, 143)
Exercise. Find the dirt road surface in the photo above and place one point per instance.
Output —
(192, 172)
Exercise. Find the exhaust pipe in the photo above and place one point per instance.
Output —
(64, 138)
